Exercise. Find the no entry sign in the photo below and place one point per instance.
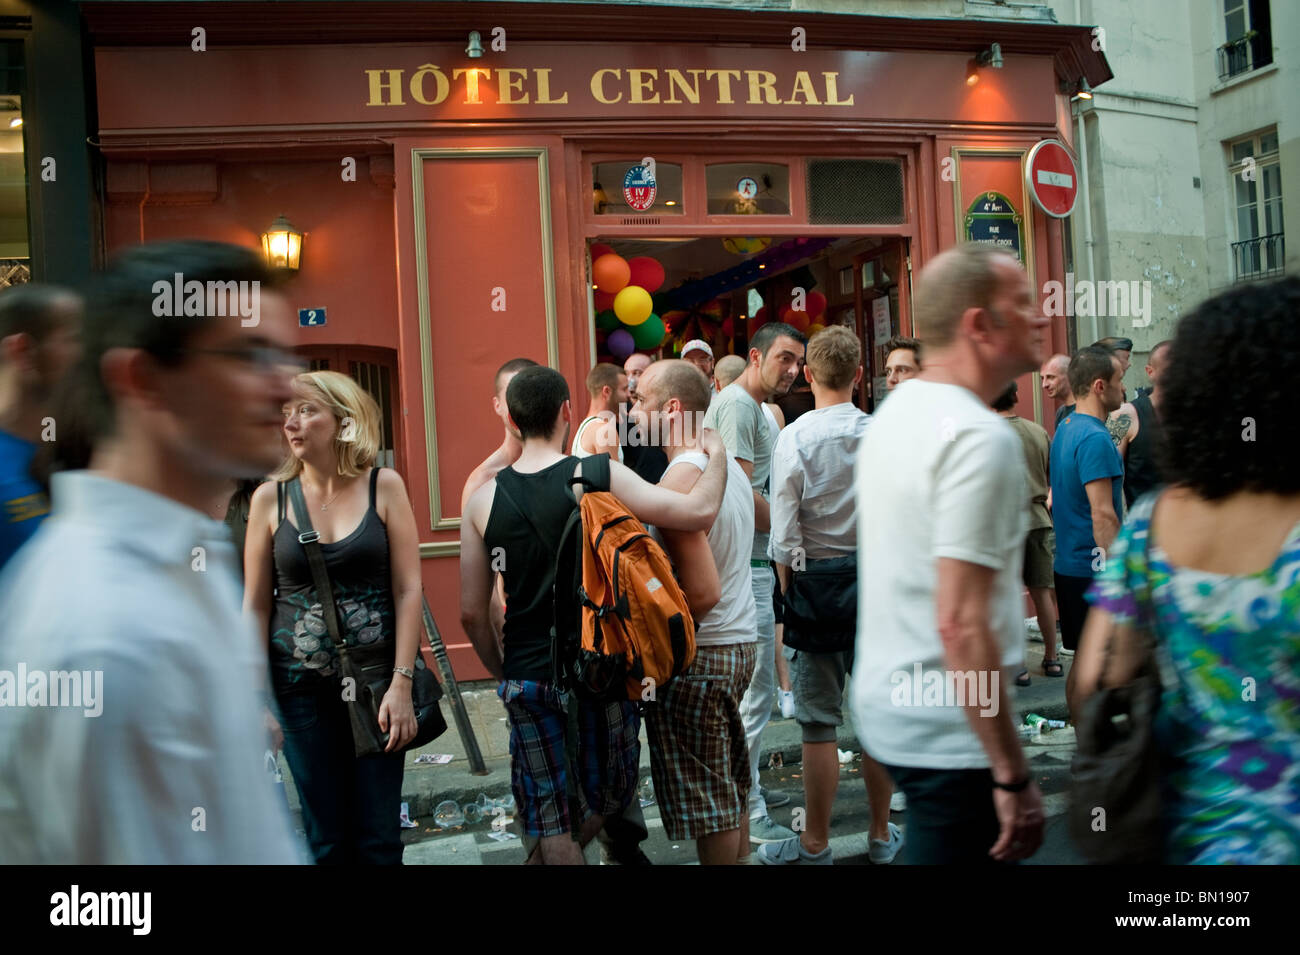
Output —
(1051, 178)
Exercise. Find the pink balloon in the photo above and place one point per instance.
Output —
(646, 272)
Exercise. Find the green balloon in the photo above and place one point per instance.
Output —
(607, 320)
(649, 334)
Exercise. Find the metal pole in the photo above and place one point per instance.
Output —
(1087, 216)
(449, 685)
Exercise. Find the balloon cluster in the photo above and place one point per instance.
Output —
(808, 319)
(624, 307)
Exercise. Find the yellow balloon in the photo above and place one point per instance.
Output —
(633, 305)
(814, 328)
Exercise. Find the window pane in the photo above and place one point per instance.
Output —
(1268, 142)
(747, 189)
(607, 189)
(1273, 218)
(1245, 191)
(1246, 223)
(1272, 179)
(1242, 149)
(1235, 24)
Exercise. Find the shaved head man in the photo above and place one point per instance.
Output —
(635, 364)
(1056, 384)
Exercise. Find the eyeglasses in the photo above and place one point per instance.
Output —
(262, 357)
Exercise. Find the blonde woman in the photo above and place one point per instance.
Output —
(350, 804)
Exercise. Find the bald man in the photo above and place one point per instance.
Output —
(635, 364)
(1056, 384)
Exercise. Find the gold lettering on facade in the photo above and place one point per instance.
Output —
(441, 85)
(544, 88)
(598, 86)
(377, 85)
(803, 84)
(724, 84)
(642, 82)
(510, 89)
(764, 82)
(832, 92)
(471, 81)
(677, 82)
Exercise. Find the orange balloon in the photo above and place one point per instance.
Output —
(799, 320)
(611, 273)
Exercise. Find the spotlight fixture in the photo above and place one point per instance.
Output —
(1084, 91)
(990, 57)
(475, 48)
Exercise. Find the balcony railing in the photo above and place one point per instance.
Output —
(1258, 258)
(1244, 54)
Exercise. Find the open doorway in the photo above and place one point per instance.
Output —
(721, 290)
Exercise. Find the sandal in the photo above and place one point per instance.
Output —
(1053, 668)
(1022, 678)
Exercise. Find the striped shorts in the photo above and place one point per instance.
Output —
(698, 757)
(605, 756)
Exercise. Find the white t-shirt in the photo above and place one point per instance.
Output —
(732, 619)
(578, 451)
(938, 475)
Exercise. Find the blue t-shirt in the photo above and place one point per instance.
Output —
(23, 505)
(1081, 452)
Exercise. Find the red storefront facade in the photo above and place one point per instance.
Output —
(447, 200)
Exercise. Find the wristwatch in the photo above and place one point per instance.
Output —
(405, 671)
(1015, 787)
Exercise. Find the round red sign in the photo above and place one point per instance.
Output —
(1051, 178)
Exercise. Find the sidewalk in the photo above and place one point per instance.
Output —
(425, 785)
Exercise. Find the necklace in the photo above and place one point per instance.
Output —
(336, 494)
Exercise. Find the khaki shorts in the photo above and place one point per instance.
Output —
(1040, 551)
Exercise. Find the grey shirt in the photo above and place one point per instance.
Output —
(740, 422)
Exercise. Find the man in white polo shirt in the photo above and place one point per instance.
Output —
(941, 533)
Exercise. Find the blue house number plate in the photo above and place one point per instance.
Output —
(311, 316)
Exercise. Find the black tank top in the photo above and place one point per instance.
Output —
(302, 657)
(1140, 471)
(529, 560)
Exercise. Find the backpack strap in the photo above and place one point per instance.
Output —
(595, 473)
(279, 502)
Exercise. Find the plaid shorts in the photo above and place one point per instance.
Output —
(606, 757)
(698, 757)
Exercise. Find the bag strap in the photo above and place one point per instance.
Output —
(595, 473)
(310, 541)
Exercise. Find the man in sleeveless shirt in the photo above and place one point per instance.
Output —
(598, 432)
(773, 361)
(513, 525)
(698, 755)
(1137, 445)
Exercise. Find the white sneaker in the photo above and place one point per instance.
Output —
(785, 700)
(898, 801)
(882, 852)
(763, 830)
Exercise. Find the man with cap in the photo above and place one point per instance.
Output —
(698, 353)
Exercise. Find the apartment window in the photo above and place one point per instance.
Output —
(1260, 249)
(1247, 29)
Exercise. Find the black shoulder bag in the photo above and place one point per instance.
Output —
(370, 667)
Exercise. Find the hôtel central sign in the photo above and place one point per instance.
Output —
(431, 85)
(406, 85)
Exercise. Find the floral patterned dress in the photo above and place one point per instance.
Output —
(1229, 720)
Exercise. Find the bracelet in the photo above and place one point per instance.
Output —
(1016, 787)
(405, 671)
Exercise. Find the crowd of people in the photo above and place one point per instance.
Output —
(819, 548)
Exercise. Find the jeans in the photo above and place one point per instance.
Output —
(756, 706)
(350, 804)
(950, 815)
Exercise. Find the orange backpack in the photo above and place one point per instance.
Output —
(622, 624)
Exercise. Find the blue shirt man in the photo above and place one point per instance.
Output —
(1081, 452)
(23, 504)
